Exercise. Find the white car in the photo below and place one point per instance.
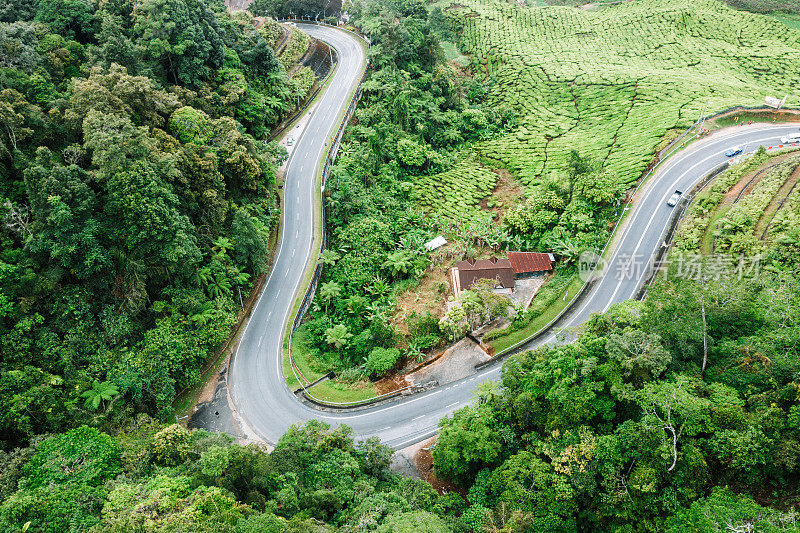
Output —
(791, 138)
(674, 198)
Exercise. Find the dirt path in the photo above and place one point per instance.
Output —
(416, 462)
(744, 186)
(777, 202)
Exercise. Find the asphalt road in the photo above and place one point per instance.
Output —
(256, 385)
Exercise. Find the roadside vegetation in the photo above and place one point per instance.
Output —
(678, 413)
(746, 210)
(146, 477)
(137, 198)
(574, 103)
(138, 194)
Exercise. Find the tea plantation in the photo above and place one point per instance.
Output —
(610, 83)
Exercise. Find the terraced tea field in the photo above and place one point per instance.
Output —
(455, 190)
(748, 208)
(610, 83)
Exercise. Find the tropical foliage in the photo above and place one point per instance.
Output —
(658, 413)
(137, 196)
(149, 478)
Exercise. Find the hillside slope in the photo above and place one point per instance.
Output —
(610, 83)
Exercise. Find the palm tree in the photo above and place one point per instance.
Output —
(99, 392)
(356, 304)
(329, 257)
(414, 352)
(220, 284)
(398, 262)
(222, 244)
(379, 287)
(337, 336)
(206, 314)
(375, 311)
(562, 244)
(489, 390)
(329, 291)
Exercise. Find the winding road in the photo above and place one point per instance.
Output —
(257, 388)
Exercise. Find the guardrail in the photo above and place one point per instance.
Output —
(663, 154)
(669, 233)
(308, 297)
(307, 101)
(321, 23)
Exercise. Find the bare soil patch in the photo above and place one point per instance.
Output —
(390, 384)
(429, 295)
(507, 192)
(423, 462)
(756, 115)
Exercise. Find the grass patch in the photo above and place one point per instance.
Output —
(334, 391)
(747, 116)
(303, 359)
(790, 19)
(312, 369)
(707, 242)
(546, 305)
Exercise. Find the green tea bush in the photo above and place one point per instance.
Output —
(613, 82)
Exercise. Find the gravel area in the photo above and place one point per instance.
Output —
(457, 362)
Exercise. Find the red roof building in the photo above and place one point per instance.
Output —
(523, 263)
(494, 268)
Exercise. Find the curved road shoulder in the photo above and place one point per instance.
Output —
(256, 384)
(259, 394)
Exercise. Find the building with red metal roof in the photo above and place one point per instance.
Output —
(530, 263)
(494, 268)
(517, 265)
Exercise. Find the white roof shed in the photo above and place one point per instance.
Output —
(438, 242)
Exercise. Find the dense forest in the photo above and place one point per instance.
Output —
(679, 413)
(418, 117)
(138, 196)
(415, 116)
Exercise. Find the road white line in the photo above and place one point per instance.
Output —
(657, 212)
(451, 405)
(261, 338)
(417, 438)
(418, 417)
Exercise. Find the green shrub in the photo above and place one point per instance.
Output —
(82, 455)
(381, 360)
